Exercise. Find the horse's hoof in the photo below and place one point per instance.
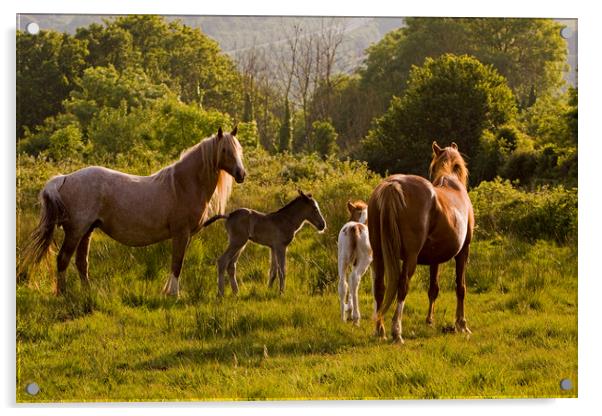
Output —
(356, 322)
(397, 339)
(379, 335)
(463, 328)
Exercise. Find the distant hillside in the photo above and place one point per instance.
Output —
(236, 34)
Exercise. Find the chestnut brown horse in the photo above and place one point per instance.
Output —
(420, 222)
(136, 210)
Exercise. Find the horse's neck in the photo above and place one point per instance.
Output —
(291, 217)
(195, 180)
(449, 181)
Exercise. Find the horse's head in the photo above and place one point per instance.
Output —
(358, 211)
(448, 161)
(230, 155)
(312, 211)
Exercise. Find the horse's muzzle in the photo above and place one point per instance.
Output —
(240, 176)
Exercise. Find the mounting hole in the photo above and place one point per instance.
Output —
(566, 32)
(33, 28)
(32, 388)
(566, 384)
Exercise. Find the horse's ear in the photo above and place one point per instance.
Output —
(436, 149)
(350, 206)
(454, 146)
(234, 131)
(300, 192)
(220, 133)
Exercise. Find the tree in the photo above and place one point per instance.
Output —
(449, 99)
(103, 87)
(48, 67)
(248, 114)
(324, 138)
(66, 143)
(285, 135)
(530, 53)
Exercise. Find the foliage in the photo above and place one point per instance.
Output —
(285, 134)
(553, 119)
(248, 135)
(324, 138)
(500, 42)
(178, 126)
(450, 99)
(546, 213)
(103, 87)
(66, 143)
(48, 67)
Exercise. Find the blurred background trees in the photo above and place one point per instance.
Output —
(149, 86)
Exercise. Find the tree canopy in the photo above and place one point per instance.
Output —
(451, 98)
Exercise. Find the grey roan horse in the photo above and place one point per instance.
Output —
(137, 210)
(275, 230)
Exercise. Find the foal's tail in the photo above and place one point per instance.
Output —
(213, 219)
(391, 204)
(53, 214)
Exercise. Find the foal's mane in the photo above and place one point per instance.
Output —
(448, 163)
(294, 201)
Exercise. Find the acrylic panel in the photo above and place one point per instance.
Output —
(218, 208)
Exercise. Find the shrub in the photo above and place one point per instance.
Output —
(66, 143)
(547, 213)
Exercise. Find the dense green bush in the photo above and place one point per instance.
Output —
(547, 213)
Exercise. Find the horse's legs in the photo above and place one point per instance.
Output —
(343, 286)
(68, 247)
(81, 258)
(461, 260)
(407, 271)
(378, 289)
(281, 256)
(433, 292)
(223, 264)
(232, 269)
(362, 264)
(179, 244)
(273, 267)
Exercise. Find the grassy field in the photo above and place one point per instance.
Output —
(124, 341)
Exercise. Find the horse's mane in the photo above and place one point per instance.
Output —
(204, 157)
(294, 201)
(448, 163)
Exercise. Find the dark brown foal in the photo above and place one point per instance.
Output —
(275, 230)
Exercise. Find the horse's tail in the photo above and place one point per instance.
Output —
(213, 219)
(52, 214)
(391, 203)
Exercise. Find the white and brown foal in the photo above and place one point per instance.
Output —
(355, 254)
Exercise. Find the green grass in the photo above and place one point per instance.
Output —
(124, 341)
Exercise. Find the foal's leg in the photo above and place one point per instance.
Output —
(461, 260)
(281, 256)
(273, 267)
(362, 264)
(433, 292)
(179, 244)
(223, 264)
(407, 271)
(81, 258)
(68, 247)
(232, 269)
(343, 285)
